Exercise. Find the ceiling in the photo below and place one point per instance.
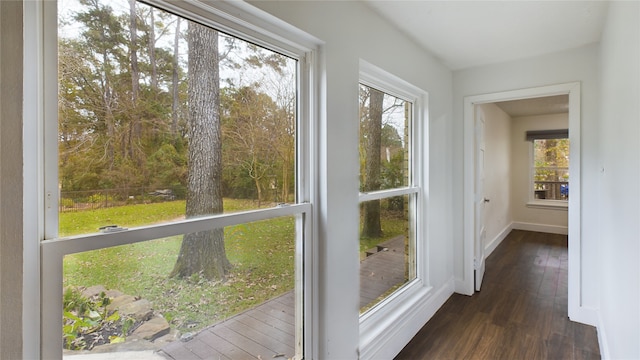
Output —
(558, 104)
(464, 34)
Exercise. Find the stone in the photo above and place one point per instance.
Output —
(120, 301)
(93, 291)
(112, 294)
(186, 337)
(172, 336)
(139, 309)
(152, 329)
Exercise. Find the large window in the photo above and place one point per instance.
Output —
(390, 189)
(550, 165)
(176, 200)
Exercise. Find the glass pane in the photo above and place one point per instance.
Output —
(551, 169)
(384, 137)
(162, 118)
(135, 296)
(387, 254)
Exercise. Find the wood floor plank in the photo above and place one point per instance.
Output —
(272, 321)
(204, 350)
(251, 347)
(520, 313)
(223, 346)
(264, 340)
(267, 329)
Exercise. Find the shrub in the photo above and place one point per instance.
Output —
(87, 323)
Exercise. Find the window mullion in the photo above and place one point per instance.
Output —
(129, 236)
(381, 194)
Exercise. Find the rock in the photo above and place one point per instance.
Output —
(93, 291)
(129, 345)
(139, 309)
(113, 293)
(120, 301)
(186, 337)
(172, 336)
(152, 329)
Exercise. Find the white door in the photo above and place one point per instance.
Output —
(479, 199)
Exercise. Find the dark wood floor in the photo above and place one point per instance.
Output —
(520, 313)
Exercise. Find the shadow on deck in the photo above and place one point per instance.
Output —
(267, 331)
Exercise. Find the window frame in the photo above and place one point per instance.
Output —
(379, 322)
(235, 18)
(542, 203)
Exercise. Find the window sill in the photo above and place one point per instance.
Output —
(549, 204)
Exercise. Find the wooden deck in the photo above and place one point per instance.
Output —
(268, 330)
(382, 271)
(264, 332)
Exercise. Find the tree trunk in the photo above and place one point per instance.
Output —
(371, 224)
(152, 52)
(203, 252)
(135, 127)
(174, 84)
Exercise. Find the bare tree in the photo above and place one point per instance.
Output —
(203, 252)
(371, 224)
(175, 94)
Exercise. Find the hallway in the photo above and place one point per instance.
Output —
(520, 313)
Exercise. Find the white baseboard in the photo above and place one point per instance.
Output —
(397, 333)
(552, 229)
(488, 249)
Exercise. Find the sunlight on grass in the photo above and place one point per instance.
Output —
(88, 221)
(392, 225)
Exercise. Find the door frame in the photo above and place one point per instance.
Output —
(575, 309)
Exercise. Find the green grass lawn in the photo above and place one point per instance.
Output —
(392, 223)
(262, 255)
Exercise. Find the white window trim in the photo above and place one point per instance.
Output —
(379, 325)
(548, 204)
(43, 263)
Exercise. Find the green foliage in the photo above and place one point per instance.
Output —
(84, 319)
(116, 133)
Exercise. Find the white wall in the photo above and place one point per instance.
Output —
(351, 31)
(498, 172)
(579, 64)
(556, 219)
(619, 234)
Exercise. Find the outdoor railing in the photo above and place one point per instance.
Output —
(551, 190)
(97, 199)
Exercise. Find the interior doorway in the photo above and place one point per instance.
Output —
(521, 170)
(470, 260)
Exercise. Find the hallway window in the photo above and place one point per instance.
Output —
(389, 191)
(550, 169)
(176, 180)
